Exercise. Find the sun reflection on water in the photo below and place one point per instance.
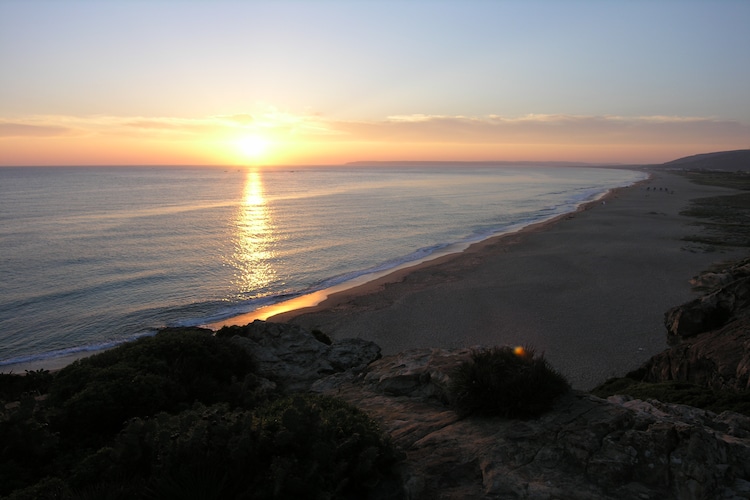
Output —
(254, 240)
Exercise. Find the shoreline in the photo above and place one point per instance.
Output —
(398, 275)
(310, 300)
(321, 299)
(428, 303)
(587, 288)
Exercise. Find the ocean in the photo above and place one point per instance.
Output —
(91, 257)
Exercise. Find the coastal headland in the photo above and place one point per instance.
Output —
(589, 289)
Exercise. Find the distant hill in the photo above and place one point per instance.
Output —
(492, 163)
(723, 160)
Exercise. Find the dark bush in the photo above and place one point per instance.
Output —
(46, 489)
(167, 372)
(14, 386)
(506, 382)
(27, 446)
(175, 416)
(297, 447)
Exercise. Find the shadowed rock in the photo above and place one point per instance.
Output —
(710, 312)
(584, 448)
(712, 336)
(293, 357)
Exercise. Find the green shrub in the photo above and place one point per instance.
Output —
(27, 446)
(506, 382)
(14, 386)
(297, 447)
(169, 417)
(167, 372)
(46, 489)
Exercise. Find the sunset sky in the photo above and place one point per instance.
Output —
(327, 82)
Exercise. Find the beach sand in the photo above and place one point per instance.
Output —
(588, 289)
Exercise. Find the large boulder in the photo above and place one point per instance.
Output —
(294, 357)
(710, 312)
(421, 373)
(718, 359)
(727, 297)
(710, 335)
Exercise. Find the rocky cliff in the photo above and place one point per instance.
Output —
(710, 335)
(585, 448)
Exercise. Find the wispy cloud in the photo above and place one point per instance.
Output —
(415, 128)
(545, 129)
(10, 129)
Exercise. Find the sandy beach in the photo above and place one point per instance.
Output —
(588, 289)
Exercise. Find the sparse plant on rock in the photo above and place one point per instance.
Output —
(505, 381)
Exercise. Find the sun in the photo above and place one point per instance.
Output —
(253, 147)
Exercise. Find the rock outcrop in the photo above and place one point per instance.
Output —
(295, 358)
(710, 335)
(585, 448)
(710, 312)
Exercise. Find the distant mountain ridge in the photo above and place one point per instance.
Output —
(722, 160)
(419, 163)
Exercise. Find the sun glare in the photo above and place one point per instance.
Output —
(253, 147)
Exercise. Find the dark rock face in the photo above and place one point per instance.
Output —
(710, 335)
(293, 357)
(585, 448)
(718, 359)
(710, 312)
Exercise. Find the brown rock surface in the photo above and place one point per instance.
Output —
(718, 359)
(585, 448)
(293, 357)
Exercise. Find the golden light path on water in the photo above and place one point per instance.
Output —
(254, 239)
(254, 242)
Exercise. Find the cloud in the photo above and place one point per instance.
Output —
(165, 127)
(415, 118)
(546, 129)
(242, 118)
(154, 125)
(8, 129)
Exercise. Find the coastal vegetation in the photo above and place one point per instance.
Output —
(505, 381)
(723, 220)
(179, 415)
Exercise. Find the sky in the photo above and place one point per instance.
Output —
(116, 82)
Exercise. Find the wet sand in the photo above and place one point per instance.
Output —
(588, 289)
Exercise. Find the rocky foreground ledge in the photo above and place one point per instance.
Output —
(585, 448)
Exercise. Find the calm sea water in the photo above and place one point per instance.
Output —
(92, 257)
